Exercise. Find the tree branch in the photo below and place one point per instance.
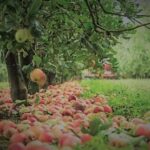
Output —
(99, 28)
(118, 13)
(91, 14)
(122, 30)
(139, 22)
(111, 13)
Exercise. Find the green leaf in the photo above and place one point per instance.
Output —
(37, 60)
(27, 68)
(9, 45)
(85, 130)
(94, 126)
(34, 7)
(37, 100)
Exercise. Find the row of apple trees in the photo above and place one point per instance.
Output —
(62, 37)
(134, 58)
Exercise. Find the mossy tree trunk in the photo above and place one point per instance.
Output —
(17, 85)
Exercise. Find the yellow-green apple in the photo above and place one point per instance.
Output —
(21, 35)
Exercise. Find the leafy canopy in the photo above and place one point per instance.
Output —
(65, 35)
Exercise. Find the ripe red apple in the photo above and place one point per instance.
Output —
(16, 146)
(5, 125)
(67, 112)
(98, 109)
(78, 106)
(68, 140)
(8, 101)
(79, 115)
(42, 101)
(143, 130)
(76, 123)
(46, 137)
(99, 99)
(18, 137)
(72, 97)
(37, 130)
(9, 131)
(37, 145)
(86, 138)
(38, 76)
(107, 109)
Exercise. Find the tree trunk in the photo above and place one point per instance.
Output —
(17, 85)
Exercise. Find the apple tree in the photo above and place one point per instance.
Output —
(61, 36)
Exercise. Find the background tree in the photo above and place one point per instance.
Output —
(61, 36)
(133, 53)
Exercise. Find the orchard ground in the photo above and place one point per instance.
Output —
(68, 116)
(128, 97)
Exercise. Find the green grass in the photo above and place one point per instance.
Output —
(4, 85)
(129, 97)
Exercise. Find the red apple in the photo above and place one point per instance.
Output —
(99, 99)
(37, 130)
(98, 109)
(76, 123)
(78, 106)
(46, 137)
(9, 131)
(107, 109)
(86, 138)
(6, 124)
(72, 97)
(68, 140)
(16, 146)
(38, 76)
(143, 130)
(37, 145)
(67, 112)
(18, 137)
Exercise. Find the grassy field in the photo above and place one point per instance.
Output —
(130, 98)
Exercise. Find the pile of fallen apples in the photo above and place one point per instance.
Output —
(60, 119)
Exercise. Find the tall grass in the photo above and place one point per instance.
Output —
(130, 98)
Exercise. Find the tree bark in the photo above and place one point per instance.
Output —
(17, 85)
